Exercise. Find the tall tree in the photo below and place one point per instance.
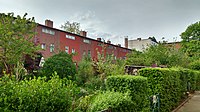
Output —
(16, 40)
(191, 40)
(73, 27)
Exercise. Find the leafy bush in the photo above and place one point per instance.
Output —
(62, 64)
(85, 71)
(171, 84)
(195, 65)
(112, 101)
(135, 85)
(37, 95)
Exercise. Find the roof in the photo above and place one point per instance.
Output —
(81, 36)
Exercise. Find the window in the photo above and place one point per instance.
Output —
(99, 44)
(45, 30)
(43, 46)
(115, 57)
(67, 49)
(70, 37)
(84, 53)
(51, 47)
(86, 41)
(73, 50)
(89, 53)
(110, 47)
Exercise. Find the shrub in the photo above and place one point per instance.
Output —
(135, 85)
(37, 95)
(85, 71)
(170, 84)
(62, 64)
(195, 65)
(112, 101)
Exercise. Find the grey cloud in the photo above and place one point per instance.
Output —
(115, 18)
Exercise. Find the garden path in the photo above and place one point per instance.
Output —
(193, 105)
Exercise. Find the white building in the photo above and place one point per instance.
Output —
(141, 44)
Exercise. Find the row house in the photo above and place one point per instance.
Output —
(54, 40)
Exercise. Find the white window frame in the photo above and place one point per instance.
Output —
(70, 37)
(67, 49)
(86, 41)
(52, 47)
(43, 46)
(48, 31)
(73, 51)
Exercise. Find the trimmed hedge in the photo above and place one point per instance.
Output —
(112, 101)
(136, 86)
(37, 95)
(171, 84)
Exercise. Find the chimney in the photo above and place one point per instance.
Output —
(119, 45)
(109, 42)
(139, 39)
(99, 39)
(49, 23)
(126, 42)
(83, 33)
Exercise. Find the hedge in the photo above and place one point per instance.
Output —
(37, 95)
(171, 84)
(136, 86)
(111, 101)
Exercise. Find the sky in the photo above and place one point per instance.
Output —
(114, 19)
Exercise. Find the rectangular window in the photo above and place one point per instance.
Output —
(52, 47)
(84, 53)
(110, 47)
(86, 41)
(67, 49)
(89, 53)
(43, 46)
(48, 31)
(70, 37)
(73, 50)
(99, 44)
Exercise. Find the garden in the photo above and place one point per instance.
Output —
(93, 86)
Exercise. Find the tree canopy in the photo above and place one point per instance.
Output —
(159, 55)
(16, 40)
(191, 40)
(73, 27)
(60, 63)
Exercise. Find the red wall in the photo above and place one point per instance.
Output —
(72, 44)
(48, 39)
(60, 41)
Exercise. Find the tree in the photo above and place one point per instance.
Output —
(191, 40)
(60, 63)
(159, 55)
(16, 36)
(73, 27)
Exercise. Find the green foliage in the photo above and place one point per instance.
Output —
(13, 32)
(136, 86)
(112, 101)
(84, 103)
(171, 84)
(136, 58)
(195, 65)
(192, 32)
(37, 95)
(191, 40)
(107, 65)
(85, 71)
(158, 54)
(73, 27)
(60, 63)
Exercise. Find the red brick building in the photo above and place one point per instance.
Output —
(53, 40)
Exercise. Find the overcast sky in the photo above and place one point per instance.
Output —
(114, 19)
